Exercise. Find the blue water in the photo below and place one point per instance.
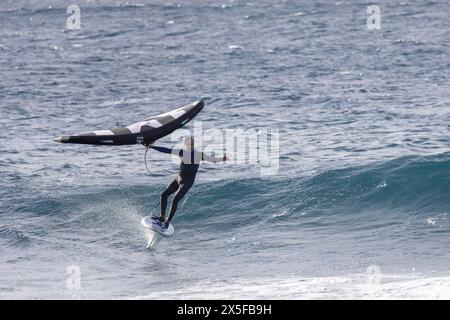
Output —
(363, 116)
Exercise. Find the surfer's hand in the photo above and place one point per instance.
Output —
(148, 144)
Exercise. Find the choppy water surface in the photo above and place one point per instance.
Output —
(364, 178)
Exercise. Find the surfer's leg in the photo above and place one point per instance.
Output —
(184, 188)
(171, 188)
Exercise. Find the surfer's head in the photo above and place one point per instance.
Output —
(189, 143)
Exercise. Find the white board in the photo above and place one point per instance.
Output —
(153, 224)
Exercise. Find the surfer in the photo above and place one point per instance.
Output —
(190, 161)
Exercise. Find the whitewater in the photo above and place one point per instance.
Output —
(358, 208)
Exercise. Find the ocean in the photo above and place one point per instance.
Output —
(357, 207)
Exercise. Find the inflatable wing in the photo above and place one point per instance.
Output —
(146, 131)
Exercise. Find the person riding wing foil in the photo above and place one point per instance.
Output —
(190, 161)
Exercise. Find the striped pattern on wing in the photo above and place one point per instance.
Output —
(150, 129)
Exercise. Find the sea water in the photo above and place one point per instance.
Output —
(358, 206)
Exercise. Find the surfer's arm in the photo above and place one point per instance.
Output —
(209, 158)
(166, 150)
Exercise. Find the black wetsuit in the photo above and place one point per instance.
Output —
(190, 161)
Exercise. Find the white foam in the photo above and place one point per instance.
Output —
(347, 287)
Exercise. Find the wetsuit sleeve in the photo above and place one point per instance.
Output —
(162, 149)
(206, 157)
(167, 150)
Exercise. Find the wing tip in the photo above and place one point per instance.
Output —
(61, 139)
(200, 102)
